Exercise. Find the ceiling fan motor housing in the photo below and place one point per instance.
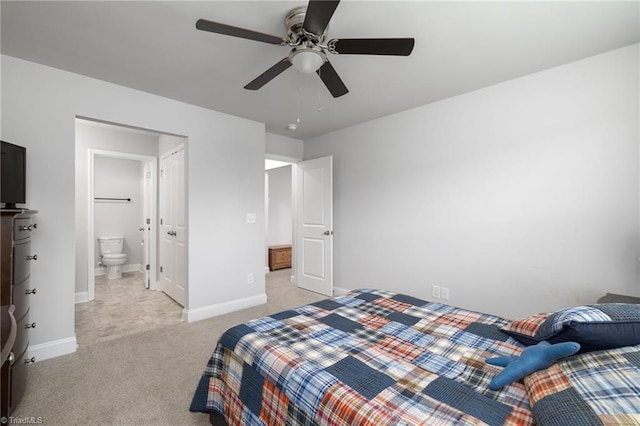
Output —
(294, 23)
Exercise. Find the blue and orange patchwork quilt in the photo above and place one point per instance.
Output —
(370, 357)
(374, 357)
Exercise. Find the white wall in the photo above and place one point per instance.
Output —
(520, 198)
(278, 147)
(280, 224)
(119, 178)
(225, 182)
(97, 136)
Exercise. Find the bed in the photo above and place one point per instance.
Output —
(375, 357)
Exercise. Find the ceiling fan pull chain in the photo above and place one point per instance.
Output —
(298, 97)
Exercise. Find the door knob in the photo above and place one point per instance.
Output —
(328, 232)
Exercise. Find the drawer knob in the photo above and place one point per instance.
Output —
(30, 360)
(32, 325)
(34, 257)
(28, 291)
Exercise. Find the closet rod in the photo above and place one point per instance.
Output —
(113, 199)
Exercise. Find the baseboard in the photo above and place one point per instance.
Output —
(82, 297)
(198, 314)
(339, 291)
(53, 349)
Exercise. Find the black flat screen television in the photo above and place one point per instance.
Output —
(13, 168)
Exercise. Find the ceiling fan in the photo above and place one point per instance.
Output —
(306, 33)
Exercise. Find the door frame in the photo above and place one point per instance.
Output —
(291, 161)
(150, 194)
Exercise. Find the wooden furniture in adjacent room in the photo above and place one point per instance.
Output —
(16, 256)
(279, 257)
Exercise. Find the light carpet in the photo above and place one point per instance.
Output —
(141, 379)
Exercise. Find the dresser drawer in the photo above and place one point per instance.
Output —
(283, 257)
(21, 264)
(21, 298)
(21, 228)
(18, 379)
(22, 336)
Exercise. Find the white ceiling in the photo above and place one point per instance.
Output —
(153, 46)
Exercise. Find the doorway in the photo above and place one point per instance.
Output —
(278, 209)
(146, 223)
(309, 222)
(97, 141)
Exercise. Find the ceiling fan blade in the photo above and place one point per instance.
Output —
(216, 27)
(318, 15)
(332, 80)
(372, 46)
(269, 74)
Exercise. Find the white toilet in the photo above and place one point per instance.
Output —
(112, 256)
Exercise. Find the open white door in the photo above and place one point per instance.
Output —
(173, 254)
(314, 225)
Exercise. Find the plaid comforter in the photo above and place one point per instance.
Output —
(596, 388)
(369, 357)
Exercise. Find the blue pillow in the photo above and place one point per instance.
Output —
(594, 327)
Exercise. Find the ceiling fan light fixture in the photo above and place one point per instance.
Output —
(307, 61)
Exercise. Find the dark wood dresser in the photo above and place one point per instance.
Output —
(16, 256)
(279, 257)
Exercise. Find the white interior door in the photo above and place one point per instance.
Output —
(173, 226)
(314, 225)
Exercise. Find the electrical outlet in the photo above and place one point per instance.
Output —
(435, 291)
(444, 293)
(251, 218)
(250, 278)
